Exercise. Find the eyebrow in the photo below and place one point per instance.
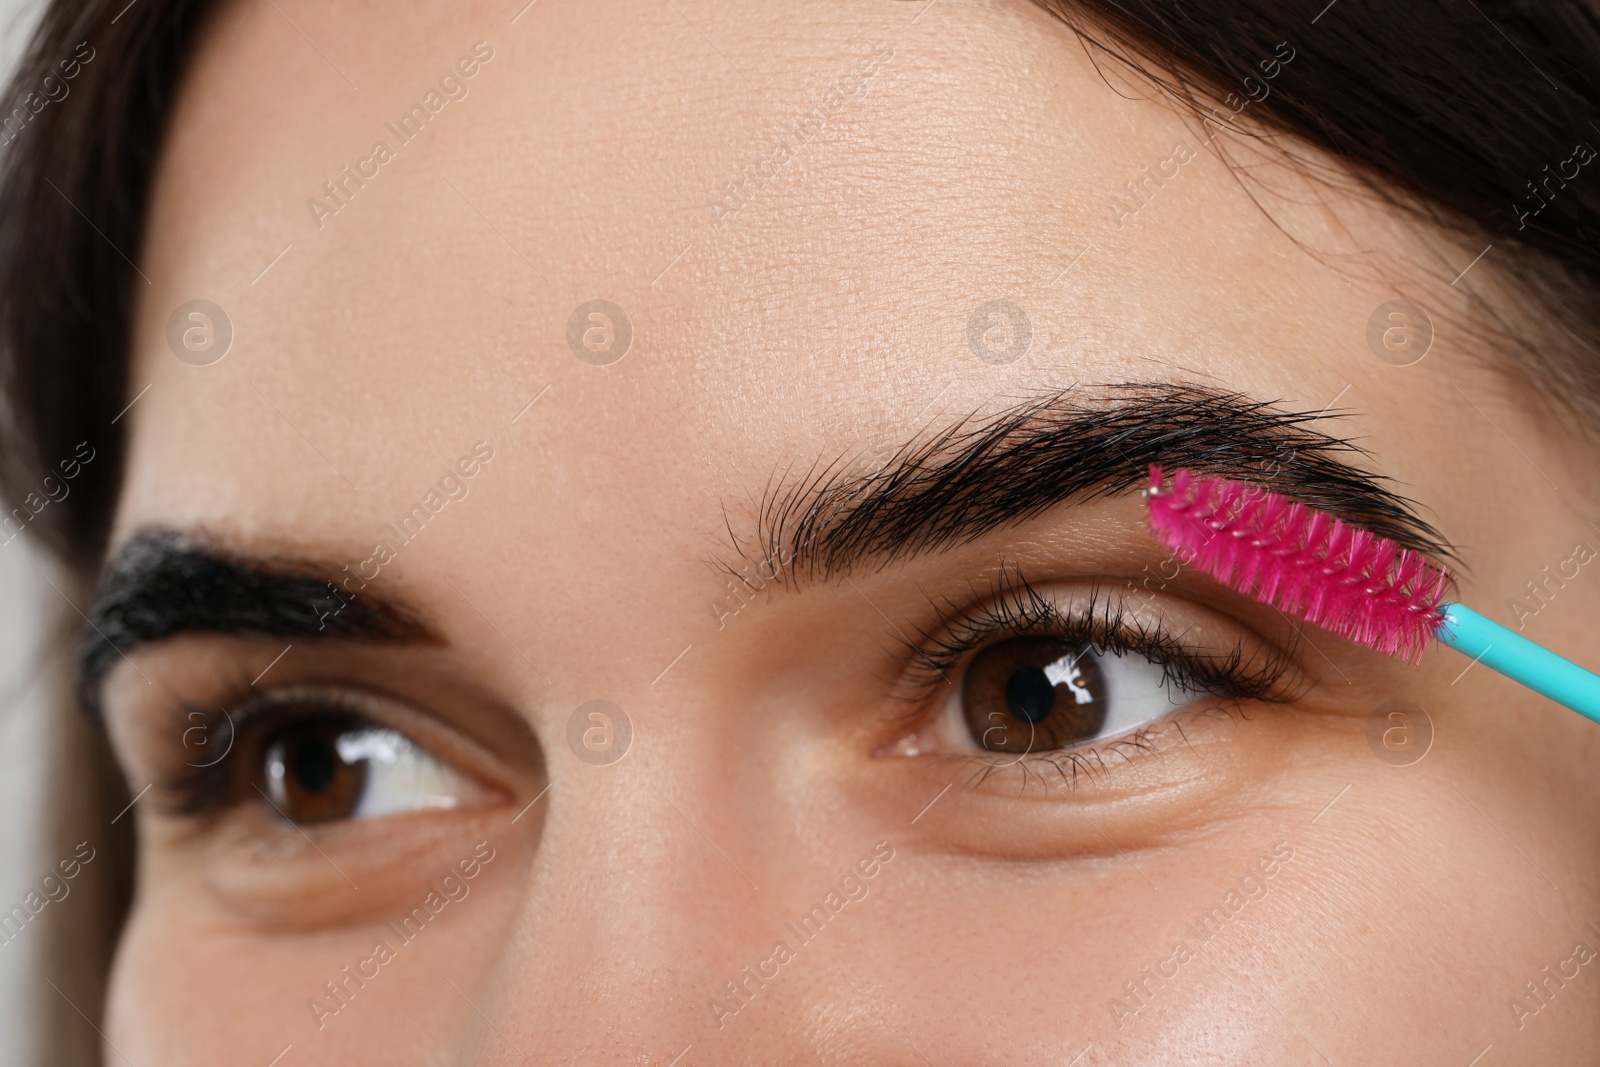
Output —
(970, 479)
(163, 583)
(978, 475)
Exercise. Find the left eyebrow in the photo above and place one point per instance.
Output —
(976, 477)
(163, 583)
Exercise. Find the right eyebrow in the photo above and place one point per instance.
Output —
(164, 583)
(974, 477)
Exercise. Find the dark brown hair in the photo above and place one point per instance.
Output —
(74, 181)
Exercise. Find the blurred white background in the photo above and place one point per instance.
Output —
(29, 693)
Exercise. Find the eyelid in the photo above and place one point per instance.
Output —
(1091, 758)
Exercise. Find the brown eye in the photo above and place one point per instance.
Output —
(1034, 694)
(307, 775)
(325, 764)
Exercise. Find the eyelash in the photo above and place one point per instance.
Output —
(1015, 608)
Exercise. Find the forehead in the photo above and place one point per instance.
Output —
(817, 226)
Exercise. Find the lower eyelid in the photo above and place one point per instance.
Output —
(1063, 772)
(1173, 783)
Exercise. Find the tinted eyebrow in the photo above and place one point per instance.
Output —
(162, 583)
(976, 476)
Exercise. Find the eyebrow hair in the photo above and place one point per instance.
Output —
(163, 583)
(977, 476)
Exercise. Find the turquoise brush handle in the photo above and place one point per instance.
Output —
(1520, 659)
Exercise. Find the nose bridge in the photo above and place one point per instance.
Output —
(648, 849)
(633, 904)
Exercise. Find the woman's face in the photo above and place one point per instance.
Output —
(608, 626)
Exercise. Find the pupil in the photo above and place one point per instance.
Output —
(1029, 695)
(315, 764)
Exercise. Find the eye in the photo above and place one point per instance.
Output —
(318, 769)
(1042, 693)
(1032, 671)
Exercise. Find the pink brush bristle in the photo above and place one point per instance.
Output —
(1302, 561)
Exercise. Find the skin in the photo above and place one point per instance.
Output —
(826, 318)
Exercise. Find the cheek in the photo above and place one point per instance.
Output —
(196, 983)
(175, 987)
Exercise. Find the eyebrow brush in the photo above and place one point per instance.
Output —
(1345, 579)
